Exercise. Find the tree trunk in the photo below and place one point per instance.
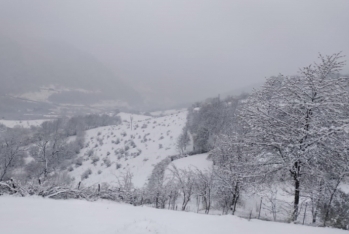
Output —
(296, 199)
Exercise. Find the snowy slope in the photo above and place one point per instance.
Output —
(43, 216)
(195, 162)
(198, 161)
(153, 140)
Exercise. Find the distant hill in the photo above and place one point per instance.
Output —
(79, 77)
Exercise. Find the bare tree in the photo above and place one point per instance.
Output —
(205, 187)
(185, 180)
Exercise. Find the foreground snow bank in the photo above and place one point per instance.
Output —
(37, 215)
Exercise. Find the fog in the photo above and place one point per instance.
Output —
(182, 51)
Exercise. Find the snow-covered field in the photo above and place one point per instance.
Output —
(43, 216)
(199, 162)
(195, 162)
(121, 148)
(22, 123)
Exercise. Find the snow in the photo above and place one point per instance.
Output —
(22, 123)
(166, 112)
(33, 215)
(198, 161)
(195, 162)
(159, 130)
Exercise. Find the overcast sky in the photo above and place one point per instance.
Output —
(188, 49)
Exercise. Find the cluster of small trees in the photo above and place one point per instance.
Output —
(210, 118)
(51, 149)
(53, 145)
(77, 124)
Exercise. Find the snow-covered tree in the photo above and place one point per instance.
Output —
(183, 141)
(293, 119)
(12, 150)
(186, 181)
(205, 187)
(50, 148)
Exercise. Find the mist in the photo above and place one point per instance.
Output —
(174, 52)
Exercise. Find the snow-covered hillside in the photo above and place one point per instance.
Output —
(42, 216)
(113, 150)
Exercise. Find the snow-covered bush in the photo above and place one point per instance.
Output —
(107, 162)
(86, 174)
(90, 152)
(94, 159)
(78, 162)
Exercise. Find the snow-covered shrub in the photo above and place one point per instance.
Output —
(78, 162)
(86, 174)
(90, 152)
(100, 141)
(107, 162)
(94, 159)
(338, 212)
(118, 166)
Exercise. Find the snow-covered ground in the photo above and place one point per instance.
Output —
(153, 140)
(42, 216)
(194, 162)
(22, 123)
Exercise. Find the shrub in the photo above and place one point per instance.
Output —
(90, 152)
(78, 162)
(86, 174)
(338, 212)
(107, 162)
(94, 159)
